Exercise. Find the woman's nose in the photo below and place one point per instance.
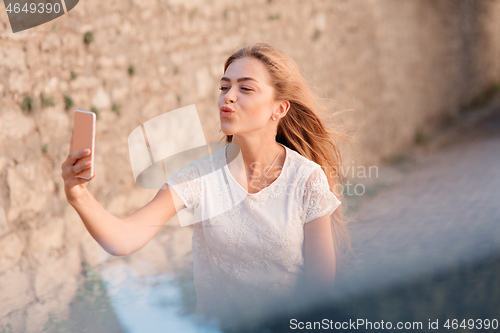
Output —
(230, 96)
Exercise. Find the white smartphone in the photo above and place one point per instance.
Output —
(84, 137)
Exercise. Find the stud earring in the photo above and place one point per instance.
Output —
(274, 118)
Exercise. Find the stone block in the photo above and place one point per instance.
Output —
(15, 321)
(147, 4)
(70, 41)
(11, 249)
(118, 205)
(4, 224)
(75, 230)
(51, 59)
(121, 61)
(50, 43)
(46, 239)
(66, 293)
(120, 92)
(101, 99)
(105, 62)
(19, 82)
(56, 118)
(14, 125)
(55, 305)
(84, 82)
(13, 57)
(205, 82)
(28, 191)
(57, 272)
(51, 87)
(16, 293)
(39, 313)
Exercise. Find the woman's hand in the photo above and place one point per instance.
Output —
(118, 236)
(75, 187)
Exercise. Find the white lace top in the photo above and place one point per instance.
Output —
(249, 247)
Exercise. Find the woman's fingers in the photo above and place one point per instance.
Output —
(77, 168)
(74, 156)
(75, 181)
(69, 168)
(70, 171)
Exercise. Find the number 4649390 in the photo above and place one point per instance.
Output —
(33, 8)
(471, 324)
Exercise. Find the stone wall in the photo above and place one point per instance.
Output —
(389, 69)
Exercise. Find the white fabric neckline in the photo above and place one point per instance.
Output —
(226, 167)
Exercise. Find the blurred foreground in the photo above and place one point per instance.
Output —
(426, 250)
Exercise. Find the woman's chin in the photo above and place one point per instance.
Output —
(228, 133)
(226, 130)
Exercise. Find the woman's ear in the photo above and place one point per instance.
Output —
(282, 108)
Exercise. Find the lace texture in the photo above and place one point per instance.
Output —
(252, 252)
(318, 199)
(187, 183)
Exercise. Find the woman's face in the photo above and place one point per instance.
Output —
(246, 101)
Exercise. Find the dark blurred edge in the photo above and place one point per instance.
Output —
(22, 21)
(27, 20)
(469, 291)
(70, 4)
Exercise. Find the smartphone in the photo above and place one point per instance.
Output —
(84, 137)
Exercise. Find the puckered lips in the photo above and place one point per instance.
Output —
(226, 111)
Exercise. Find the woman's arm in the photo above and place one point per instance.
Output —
(319, 253)
(118, 236)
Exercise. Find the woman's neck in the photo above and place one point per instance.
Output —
(253, 158)
(255, 150)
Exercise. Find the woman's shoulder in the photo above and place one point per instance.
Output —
(301, 163)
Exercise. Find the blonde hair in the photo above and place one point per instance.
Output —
(302, 129)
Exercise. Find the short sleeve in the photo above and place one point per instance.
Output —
(317, 198)
(187, 184)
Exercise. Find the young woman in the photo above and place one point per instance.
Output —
(270, 221)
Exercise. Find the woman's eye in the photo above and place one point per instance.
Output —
(246, 88)
(223, 88)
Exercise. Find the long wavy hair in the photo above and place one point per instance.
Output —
(303, 128)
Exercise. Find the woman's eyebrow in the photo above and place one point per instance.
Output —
(238, 80)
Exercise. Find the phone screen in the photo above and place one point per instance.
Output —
(84, 137)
